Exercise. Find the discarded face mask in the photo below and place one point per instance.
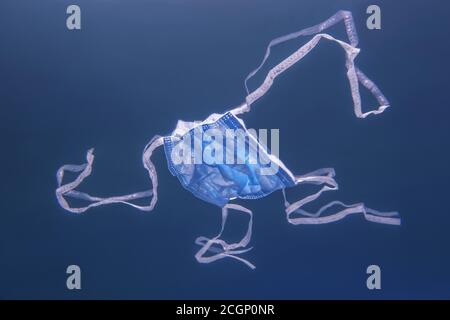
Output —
(220, 183)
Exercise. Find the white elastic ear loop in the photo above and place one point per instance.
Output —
(154, 143)
(68, 189)
(316, 218)
(228, 249)
(354, 75)
(349, 23)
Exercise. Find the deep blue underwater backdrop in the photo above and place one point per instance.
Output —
(137, 66)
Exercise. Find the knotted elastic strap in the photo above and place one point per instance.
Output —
(326, 176)
(228, 250)
(353, 73)
(68, 189)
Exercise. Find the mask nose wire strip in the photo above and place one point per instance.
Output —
(228, 249)
(68, 189)
(326, 177)
(354, 75)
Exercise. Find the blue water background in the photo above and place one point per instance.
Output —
(137, 66)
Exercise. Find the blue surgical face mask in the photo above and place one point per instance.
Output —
(219, 182)
(246, 177)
